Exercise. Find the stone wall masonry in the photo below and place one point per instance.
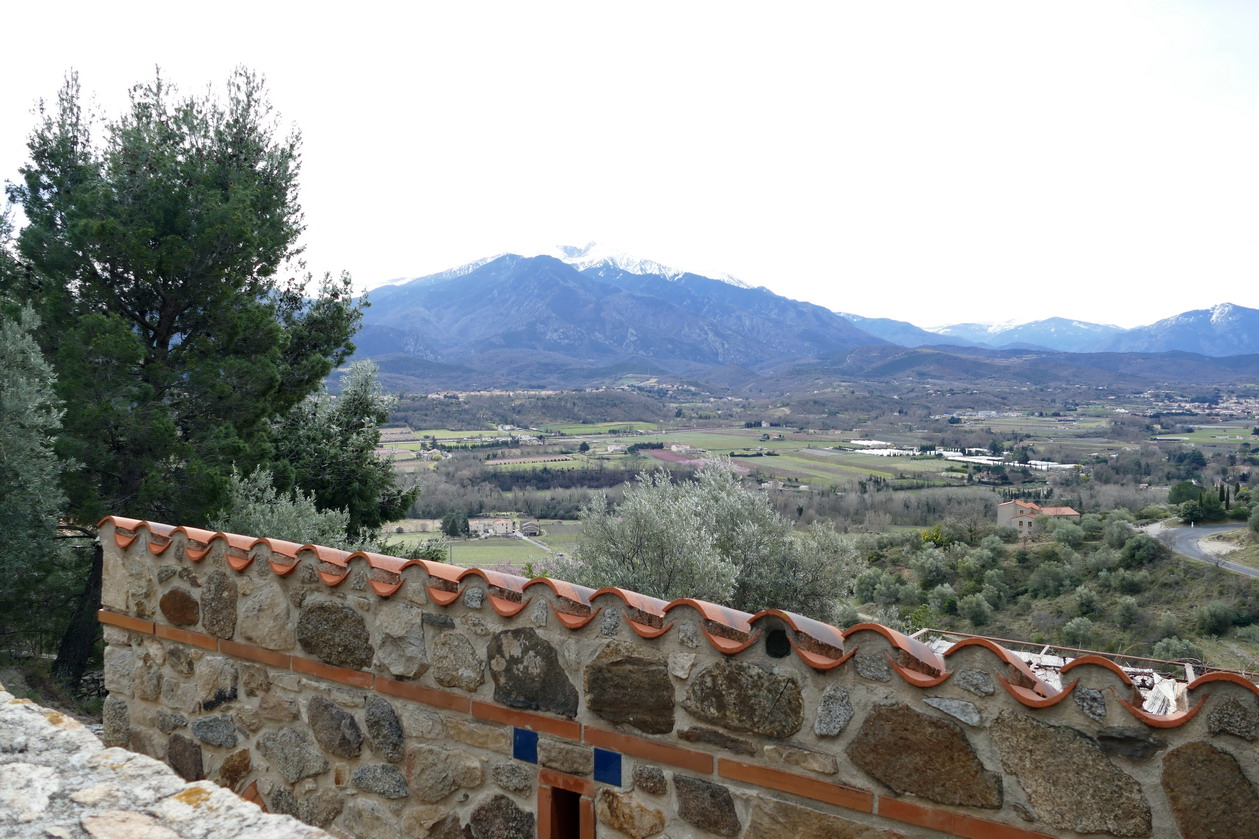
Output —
(374, 696)
(58, 782)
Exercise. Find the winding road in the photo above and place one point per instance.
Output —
(1184, 541)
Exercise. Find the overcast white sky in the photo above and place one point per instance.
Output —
(933, 162)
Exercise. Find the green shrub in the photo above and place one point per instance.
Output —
(1078, 632)
(1176, 649)
(975, 609)
(1214, 618)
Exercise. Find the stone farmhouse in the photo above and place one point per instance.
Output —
(375, 696)
(1020, 515)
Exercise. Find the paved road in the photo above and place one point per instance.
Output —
(1184, 541)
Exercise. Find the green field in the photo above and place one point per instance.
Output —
(499, 466)
(494, 551)
(561, 537)
(472, 552)
(577, 429)
(447, 434)
(1230, 436)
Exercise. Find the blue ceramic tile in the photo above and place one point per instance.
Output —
(524, 745)
(608, 767)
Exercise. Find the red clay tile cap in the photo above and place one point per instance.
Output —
(1036, 684)
(567, 590)
(815, 629)
(903, 642)
(1098, 661)
(650, 605)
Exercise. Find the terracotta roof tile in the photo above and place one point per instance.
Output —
(730, 631)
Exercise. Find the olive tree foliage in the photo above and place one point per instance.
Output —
(712, 539)
(255, 507)
(39, 572)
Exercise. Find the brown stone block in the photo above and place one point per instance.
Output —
(1068, 778)
(623, 813)
(481, 736)
(565, 757)
(743, 697)
(923, 755)
(772, 817)
(627, 683)
(706, 805)
(1208, 792)
(180, 607)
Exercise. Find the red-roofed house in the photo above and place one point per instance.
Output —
(1020, 514)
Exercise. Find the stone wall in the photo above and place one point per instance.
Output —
(375, 696)
(58, 782)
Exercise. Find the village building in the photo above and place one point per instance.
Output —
(1020, 514)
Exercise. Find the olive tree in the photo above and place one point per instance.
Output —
(715, 539)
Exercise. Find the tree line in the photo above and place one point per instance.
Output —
(165, 345)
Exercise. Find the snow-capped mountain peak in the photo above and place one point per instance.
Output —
(1222, 312)
(594, 254)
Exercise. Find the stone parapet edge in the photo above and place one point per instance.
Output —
(803, 786)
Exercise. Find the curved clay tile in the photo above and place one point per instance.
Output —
(641, 602)
(1098, 661)
(917, 678)
(384, 571)
(125, 530)
(283, 548)
(561, 588)
(507, 582)
(196, 542)
(578, 596)
(1232, 678)
(446, 591)
(510, 584)
(122, 522)
(1036, 684)
(235, 540)
(1172, 720)
(912, 646)
(1034, 699)
(384, 562)
(159, 536)
(732, 622)
(652, 607)
(822, 634)
(724, 615)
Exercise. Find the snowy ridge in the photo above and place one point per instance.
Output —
(1223, 312)
(449, 274)
(594, 254)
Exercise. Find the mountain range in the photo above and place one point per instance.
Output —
(579, 316)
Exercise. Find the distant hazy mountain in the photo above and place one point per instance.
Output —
(904, 333)
(504, 315)
(1051, 333)
(579, 316)
(1222, 330)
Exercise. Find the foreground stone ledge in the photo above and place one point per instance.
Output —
(58, 781)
